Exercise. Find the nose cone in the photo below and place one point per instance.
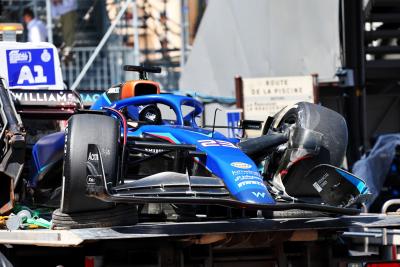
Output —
(256, 196)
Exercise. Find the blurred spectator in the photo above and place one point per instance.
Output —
(65, 10)
(37, 31)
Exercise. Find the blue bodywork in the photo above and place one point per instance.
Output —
(361, 186)
(47, 151)
(224, 158)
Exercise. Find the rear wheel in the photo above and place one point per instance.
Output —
(85, 129)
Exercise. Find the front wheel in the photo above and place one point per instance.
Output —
(82, 130)
(328, 124)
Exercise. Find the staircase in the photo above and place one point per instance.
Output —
(382, 40)
(154, 29)
(90, 31)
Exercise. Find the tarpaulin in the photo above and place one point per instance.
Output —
(374, 167)
(262, 38)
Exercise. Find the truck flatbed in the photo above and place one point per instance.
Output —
(78, 237)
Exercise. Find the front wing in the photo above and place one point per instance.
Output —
(179, 188)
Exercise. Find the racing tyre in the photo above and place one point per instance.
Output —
(332, 151)
(120, 215)
(82, 130)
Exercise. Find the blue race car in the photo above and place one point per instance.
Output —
(138, 146)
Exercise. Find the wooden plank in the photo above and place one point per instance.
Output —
(58, 238)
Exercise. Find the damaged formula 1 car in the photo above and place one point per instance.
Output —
(137, 146)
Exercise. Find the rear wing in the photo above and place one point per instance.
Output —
(31, 85)
(32, 74)
(54, 104)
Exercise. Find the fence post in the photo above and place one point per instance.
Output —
(135, 25)
(184, 31)
(49, 22)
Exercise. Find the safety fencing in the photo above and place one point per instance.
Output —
(105, 71)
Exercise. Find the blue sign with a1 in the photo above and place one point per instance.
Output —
(30, 67)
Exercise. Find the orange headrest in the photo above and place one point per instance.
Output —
(139, 87)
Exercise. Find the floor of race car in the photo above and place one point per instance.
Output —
(76, 237)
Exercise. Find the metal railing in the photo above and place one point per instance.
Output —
(106, 69)
(101, 67)
(101, 44)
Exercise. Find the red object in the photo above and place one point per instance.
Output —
(122, 117)
(89, 261)
(138, 88)
(383, 264)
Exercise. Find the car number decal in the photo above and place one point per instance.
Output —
(216, 143)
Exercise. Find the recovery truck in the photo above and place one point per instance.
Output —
(37, 95)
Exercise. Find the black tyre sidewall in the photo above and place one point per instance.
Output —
(332, 151)
(325, 121)
(82, 130)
